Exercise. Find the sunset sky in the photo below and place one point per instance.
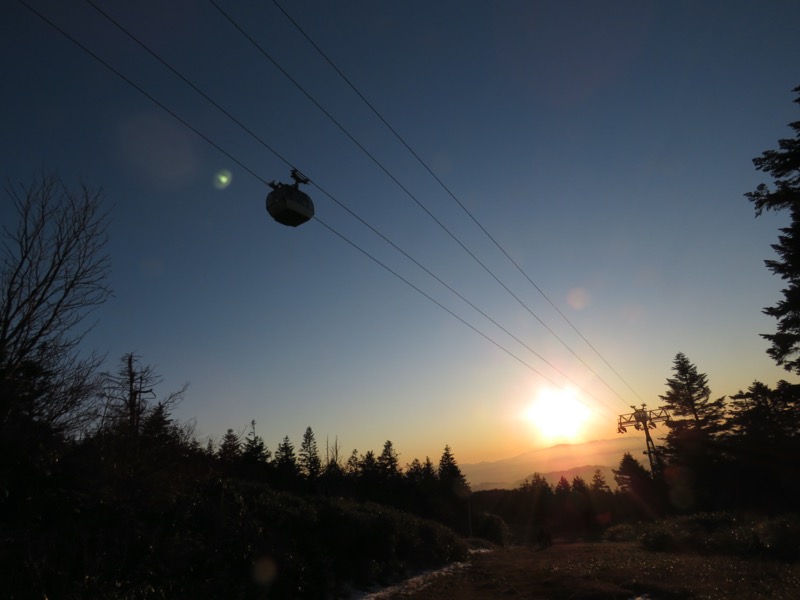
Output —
(605, 146)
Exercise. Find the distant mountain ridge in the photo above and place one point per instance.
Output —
(568, 460)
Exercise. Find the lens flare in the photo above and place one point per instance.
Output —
(222, 179)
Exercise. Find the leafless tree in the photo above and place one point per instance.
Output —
(53, 273)
(129, 396)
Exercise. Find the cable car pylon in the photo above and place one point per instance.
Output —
(643, 419)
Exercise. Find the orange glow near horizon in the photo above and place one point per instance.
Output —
(558, 416)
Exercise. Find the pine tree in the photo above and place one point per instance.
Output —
(230, 448)
(631, 476)
(368, 467)
(309, 461)
(285, 462)
(562, 488)
(388, 463)
(784, 166)
(450, 476)
(413, 473)
(599, 482)
(351, 466)
(601, 498)
(421, 474)
(696, 419)
(763, 444)
(694, 448)
(637, 488)
(255, 451)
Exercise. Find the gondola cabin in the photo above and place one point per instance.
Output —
(287, 204)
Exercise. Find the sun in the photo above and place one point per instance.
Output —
(558, 415)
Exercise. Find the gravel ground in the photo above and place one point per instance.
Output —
(602, 571)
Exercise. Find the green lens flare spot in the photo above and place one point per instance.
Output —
(222, 179)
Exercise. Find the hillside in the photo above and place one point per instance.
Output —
(569, 460)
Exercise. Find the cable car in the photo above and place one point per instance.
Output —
(287, 204)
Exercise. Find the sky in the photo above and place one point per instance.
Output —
(605, 147)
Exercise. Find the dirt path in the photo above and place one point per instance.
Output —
(605, 571)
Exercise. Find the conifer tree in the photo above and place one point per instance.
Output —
(230, 448)
(631, 476)
(368, 467)
(693, 444)
(562, 488)
(351, 466)
(421, 474)
(255, 451)
(784, 167)
(308, 460)
(599, 482)
(450, 476)
(695, 418)
(388, 463)
(285, 462)
(763, 444)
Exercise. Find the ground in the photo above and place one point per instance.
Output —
(603, 571)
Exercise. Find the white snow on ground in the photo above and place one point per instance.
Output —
(414, 584)
(417, 582)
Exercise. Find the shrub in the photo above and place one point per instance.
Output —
(621, 533)
(491, 528)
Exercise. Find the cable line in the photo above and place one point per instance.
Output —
(187, 81)
(334, 199)
(417, 201)
(342, 236)
(448, 190)
(475, 329)
(139, 89)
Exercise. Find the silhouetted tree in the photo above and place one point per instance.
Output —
(451, 478)
(562, 488)
(159, 429)
(692, 447)
(308, 457)
(286, 467)
(230, 448)
(333, 478)
(129, 395)
(454, 493)
(637, 486)
(53, 272)
(784, 167)
(532, 507)
(601, 498)
(388, 463)
(351, 466)
(599, 482)
(369, 475)
(429, 474)
(421, 474)
(763, 443)
(255, 454)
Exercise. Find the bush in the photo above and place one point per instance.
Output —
(491, 528)
(621, 533)
(721, 533)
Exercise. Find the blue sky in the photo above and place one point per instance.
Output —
(605, 146)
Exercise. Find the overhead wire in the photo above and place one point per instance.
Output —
(278, 155)
(255, 136)
(410, 194)
(449, 192)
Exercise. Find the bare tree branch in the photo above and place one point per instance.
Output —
(53, 274)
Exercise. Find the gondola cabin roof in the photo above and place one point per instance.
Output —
(288, 205)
